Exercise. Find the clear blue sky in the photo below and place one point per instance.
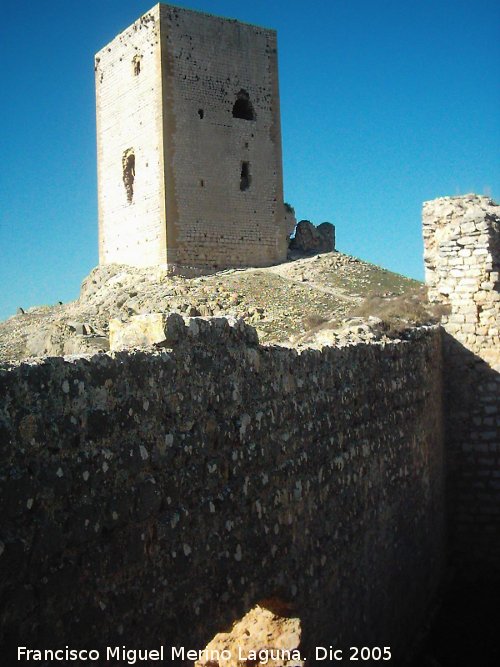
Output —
(384, 104)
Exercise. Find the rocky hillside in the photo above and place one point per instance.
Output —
(312, 300)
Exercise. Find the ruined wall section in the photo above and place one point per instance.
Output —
(172, 490)
(462, 251)
(223, 173)
(131, 195)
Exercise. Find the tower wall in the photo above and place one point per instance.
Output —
(208, 63)
(462, 250)
(129, 123)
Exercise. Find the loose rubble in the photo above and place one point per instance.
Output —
(282, 302)
(261, 637)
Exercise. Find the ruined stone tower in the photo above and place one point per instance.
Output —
(189, 144)
(462, 262)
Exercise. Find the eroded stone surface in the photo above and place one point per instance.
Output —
(462, 261)
(140, 331)
(59, 338)
(461, 237)
(277, 300)
(261, 637)
(309, 238)
(176, 488)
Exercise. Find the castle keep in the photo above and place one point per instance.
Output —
(189, 144)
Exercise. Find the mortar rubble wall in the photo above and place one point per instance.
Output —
(172, 490)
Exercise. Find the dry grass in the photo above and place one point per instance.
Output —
(401, 312)
(396, 313)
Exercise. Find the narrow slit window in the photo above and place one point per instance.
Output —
(243, 108)
(201, 113)
(128, 173)
(136, 63)
(245, 177)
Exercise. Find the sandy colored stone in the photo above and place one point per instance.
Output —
(166, 107)
(261, 637)
(140, 331)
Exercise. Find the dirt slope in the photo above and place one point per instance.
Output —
(283, 302)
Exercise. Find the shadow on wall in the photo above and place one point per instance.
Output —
(472, 408)
(465, 627)
(172, 490)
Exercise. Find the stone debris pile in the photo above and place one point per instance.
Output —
(275, 300)
(167, 330)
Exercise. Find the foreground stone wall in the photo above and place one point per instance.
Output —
(155, 497)
(462, 251)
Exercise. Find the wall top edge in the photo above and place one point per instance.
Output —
(209, 332)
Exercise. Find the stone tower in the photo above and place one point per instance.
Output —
(189, 144)
(462, 262)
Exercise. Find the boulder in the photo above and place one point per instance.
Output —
(261, 637)
(60, 338)
(85, 344)
(47, 341)
(146, 330)
(311, 239)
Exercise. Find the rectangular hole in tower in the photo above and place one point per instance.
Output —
(245, 177)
